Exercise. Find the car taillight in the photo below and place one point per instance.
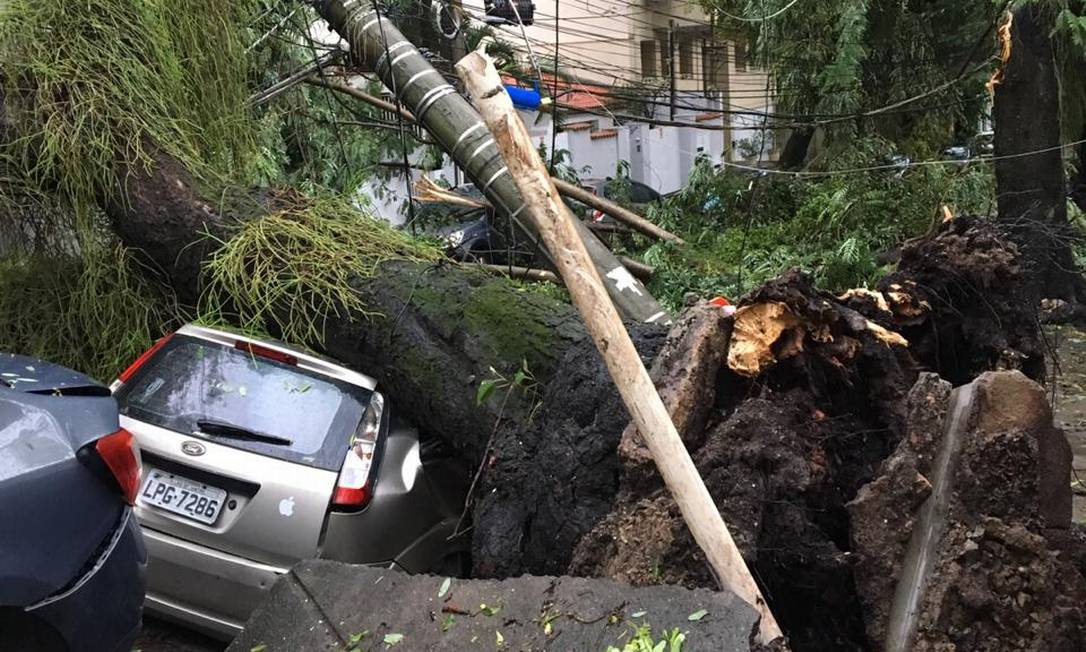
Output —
(354, 488)
(266, 352)
(121, 455)
(135, 366)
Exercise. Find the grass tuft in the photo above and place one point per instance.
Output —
(94, 313)
(85, 83)
(297, 267)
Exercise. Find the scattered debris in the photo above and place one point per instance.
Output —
(783, 450)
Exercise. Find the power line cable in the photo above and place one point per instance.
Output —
(762, 19)
(899, 166)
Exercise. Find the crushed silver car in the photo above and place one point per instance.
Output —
(257, 455)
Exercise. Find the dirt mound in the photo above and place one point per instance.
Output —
(791, 439)
(789, 409)
(958, 298)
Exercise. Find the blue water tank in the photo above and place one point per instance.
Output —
(528, 99)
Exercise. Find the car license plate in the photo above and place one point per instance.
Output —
(182, 496)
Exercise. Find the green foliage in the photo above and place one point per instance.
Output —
(300, 265)
(846, 56)
(95, 312)
(742, 230)
(642, 640)
(93, 84)
(87, 82)
(309, 136)
(505, 54)
(523, 380)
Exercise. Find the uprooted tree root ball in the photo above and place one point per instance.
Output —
(792, 409)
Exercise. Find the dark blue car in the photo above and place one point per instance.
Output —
(72, 561)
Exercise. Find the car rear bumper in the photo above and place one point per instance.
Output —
(206, 589)
(103, 609)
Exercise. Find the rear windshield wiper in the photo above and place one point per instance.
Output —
(237, 432)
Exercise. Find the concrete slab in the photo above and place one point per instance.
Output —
(325, 605)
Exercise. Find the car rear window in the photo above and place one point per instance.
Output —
(191, 380)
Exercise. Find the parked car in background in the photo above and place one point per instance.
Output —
(257, 455)
(621, 191)
(72, 560)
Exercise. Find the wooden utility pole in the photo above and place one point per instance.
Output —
(456, 127)
(556, 226)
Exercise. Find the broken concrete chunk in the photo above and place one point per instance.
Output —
(989, 577)
(322, 605)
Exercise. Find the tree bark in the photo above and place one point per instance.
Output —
(441, 330)
(1032, 192)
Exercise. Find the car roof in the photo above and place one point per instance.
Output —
(306, 359)
(23, 373)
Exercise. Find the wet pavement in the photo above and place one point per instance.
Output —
(163, 636)
(1068, 395)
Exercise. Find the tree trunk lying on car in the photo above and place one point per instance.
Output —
(784, 444)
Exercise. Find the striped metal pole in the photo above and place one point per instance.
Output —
(456, 126)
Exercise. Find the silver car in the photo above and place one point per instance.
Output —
(257, 455)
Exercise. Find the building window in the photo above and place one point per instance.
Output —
(664, 39)
(741, 56)
(648, 58)
(686, 57)
(715, 66)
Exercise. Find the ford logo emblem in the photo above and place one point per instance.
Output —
(193, 448)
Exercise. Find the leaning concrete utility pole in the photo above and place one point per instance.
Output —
(455, 125)
(554, 222)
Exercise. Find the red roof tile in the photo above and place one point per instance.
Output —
(578, 126)
(572, 95)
